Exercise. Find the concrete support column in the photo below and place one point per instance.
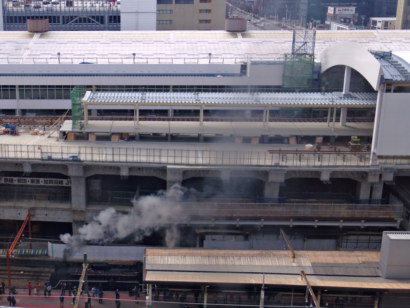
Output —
(174, 176)
(346, 84)
(201, 117)
(377, 191)
(363, 190)
(18, 111)
(94, 113)
(329, 112)
(343, 116)
(272, 190)
(124, 172)
(201, 137)
(334, 119)
(78, 195)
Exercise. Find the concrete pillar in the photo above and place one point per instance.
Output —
(60, 135)
(363, 190)
(169, 137)
(174, 176)
(265, 138)
(137, 137)
(27, 168)
(85, 136)
(201, 137)
(343, 116)
(377, 191)
(94, 113)
(78, 195)
(299, 139)
(85, 116)
(272, 190)
(124, 172)
(346, 84)
(18, 112)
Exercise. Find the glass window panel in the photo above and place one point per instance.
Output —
(43, 92)
(12, 92)
(51, 92)
(28, 94)
(66, 92)
(59, 92)
(5, 92)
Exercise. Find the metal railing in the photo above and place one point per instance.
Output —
(277, 210)
(132, 60)
(128, 154)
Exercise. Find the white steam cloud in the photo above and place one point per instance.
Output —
(148, 214)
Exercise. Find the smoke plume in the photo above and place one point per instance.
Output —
(148, 214)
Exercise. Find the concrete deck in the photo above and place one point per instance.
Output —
(247, 129)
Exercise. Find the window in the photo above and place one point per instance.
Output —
(164, 1)
(184, 1)
(205, 11)
(205, 1)
(204, 21)
(165, 12)
(164, 22)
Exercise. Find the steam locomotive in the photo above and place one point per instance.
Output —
(108, 277)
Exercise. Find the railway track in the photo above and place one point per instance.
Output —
(50, 120)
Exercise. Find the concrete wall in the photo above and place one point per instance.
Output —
(394, 137)
(394, 255)
(138, 15)
(187, 16)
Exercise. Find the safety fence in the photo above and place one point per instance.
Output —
(127, 153)
(261, 210)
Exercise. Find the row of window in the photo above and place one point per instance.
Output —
(164, 22)
(182, 1)
(64, 92)
(67, 19)
(165, 12)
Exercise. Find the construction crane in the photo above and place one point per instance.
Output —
(10, 251)
(83, 280)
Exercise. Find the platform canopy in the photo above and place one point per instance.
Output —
(308, 100)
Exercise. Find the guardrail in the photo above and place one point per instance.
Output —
(275, 210)
(124, 153)
(131, 60)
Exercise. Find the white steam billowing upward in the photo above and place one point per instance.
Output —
(148, 214)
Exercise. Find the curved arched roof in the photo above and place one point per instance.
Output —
(355, 56)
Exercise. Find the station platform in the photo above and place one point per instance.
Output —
(247, 129)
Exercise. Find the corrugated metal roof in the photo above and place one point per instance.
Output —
(245, 99)
(399, 236)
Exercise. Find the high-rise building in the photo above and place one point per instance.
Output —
(308, 10)
(191, 14)
(402, 17)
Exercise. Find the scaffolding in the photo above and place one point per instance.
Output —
(298, 70)
(77, 109)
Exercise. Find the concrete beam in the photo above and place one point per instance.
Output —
(76, 169)
(226, 175)
(373, 176)
(124, 172)
(27, 168)
(174, 176)
(388, 174)
(276, 175)
(325, 175)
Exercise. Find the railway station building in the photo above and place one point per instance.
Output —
(271, 128)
